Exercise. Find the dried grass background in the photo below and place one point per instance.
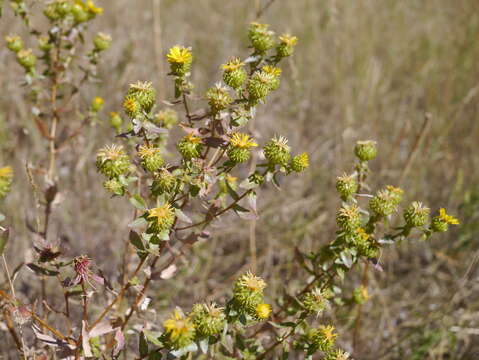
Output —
(367, 69)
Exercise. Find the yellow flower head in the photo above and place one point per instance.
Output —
(263, 311)
(162, 213)
(146, 151)
(111, 152)
(6, 173)
(288, 40)
(252, 282)
(179, 55)
(178, 325)
(232, 65)
(193, 139)
(272, 70)
(242, 141)
(328, 333)
(91, 8)
(363, 235)
(231, 179)
(448, 219)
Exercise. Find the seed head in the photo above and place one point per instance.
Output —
(277, 151)
(416, 214)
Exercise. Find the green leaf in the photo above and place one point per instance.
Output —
(42, 270)
(204, 346)
(138, 202)
(143, 345)
(4, 236)
(153, 337)
(136, 241)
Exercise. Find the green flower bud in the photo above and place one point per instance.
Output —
(209, 320)
(248, 293)
(275, 72)
(441, 222)
(97, 104)
(300, 162)
(260, 37)
(259, 85)
(14, 43)
(366, 150)
(116, 121)
(161, 218)
(79, 13)
(363, 245)
(102, 41)
(416, 214)
(163, 182)
(179, 329)
(44, 43)
(190, 147)
(151, 158)
(144, 94)
(234, 75)
(322, 338)
(180, 59)
(384, 203)
(277, 151)
(114, 186)
(286, 46)
(346, 186)
(166, 118)
(112, 161)
(315, 301)
(395, 193)
(218, 98)
(6, 177)
(51, 11)
(27, 59)
(360, 295)
(348, 218)
(256, 178)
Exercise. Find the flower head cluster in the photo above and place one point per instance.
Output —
(80, 11)
(151, 158)
(260, 84)
(248, 296)
(208, 319)
(286, 45)
(141, 98)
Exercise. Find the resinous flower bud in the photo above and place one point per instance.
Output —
(163, 182)
(277, 151)
(14, 43)
(234, 74)
(366, 150)
(348, 218)
(6, 176)
(218, 98)
(190, 147)
(239, 148)
(384, 203)
(259, 85)
(102, 41)
(441, 222)
(337, 354)
(116, 121)
(315, 301)
(209, 320)
(180, 59)
(143, 93)
(260, 37)
(346, 186)
(360, 295)
(248, 292)
(300, 162)
(416, 214)
(80, 14)
(112, 161)
(114, 186)
(160, 218)
(286, 46)
(322, 338)
(27, 59)
(395, 193)
(97, 104)
(151, 158)
(179, 329)
(363, 244)
(275, 72)
(44, 43)
(166, 118)
(263, 311)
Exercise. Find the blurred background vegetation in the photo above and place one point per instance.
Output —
(404, 73)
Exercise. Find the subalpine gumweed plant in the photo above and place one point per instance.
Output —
(178, 187)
